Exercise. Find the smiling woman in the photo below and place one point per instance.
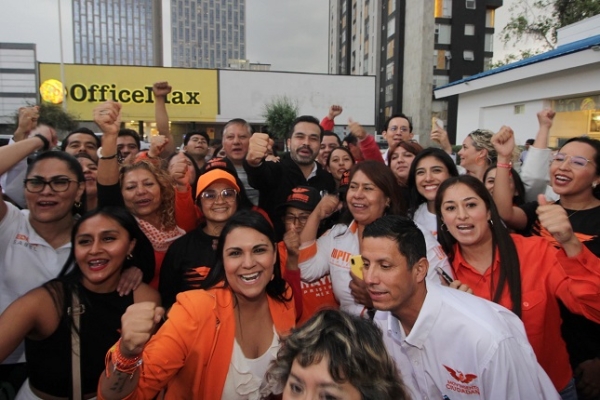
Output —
(100, 242)
(231, 329)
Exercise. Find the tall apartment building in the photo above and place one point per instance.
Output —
(207, 33)
(412, 47)
(117, 32)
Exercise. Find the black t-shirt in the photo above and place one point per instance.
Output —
(581, 335)
(186, 264)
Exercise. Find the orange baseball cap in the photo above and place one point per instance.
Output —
(210, 177)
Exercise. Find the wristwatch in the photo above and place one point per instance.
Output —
(100, 156)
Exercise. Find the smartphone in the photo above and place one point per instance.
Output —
(357, 265)
(444, 275)
(436, 123)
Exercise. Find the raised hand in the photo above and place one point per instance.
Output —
(28, 119)
(292, 242)
(137, 325)
(180, 170)
(334, 111)
(546, 118)
(556, 221)
(161, 89)
(440, 136)
(258, 148)
(328, 205)
(108, 117)
(504, 142)
(356, 129)
(157, 145)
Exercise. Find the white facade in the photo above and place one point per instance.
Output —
(243, 94)
(513, 96)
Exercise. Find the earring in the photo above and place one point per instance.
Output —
(594, 185)
(77, 204)
(491, 222)
(129, 256)
(444, 227)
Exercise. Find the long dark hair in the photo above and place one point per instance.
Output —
(384, 179)
(69, 278)
(276, 288)
(417, 198)
(510, 270)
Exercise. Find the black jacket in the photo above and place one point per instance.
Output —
(275, 181)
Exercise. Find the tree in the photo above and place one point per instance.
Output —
(539, 20)
(279, 115)
(53, 115)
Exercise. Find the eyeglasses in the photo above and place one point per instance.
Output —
(575, 161)
(291, 219)
(36, 185)
(395, 128)
(229, 195)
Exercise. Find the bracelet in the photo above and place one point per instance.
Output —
(126, 365)
(101, 157)
(502, 165)
(44, 140)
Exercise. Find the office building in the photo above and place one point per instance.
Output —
(412, 47)
(117, 32)
(207, 33)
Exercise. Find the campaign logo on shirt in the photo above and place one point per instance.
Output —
(543, 232)
(23, 240)
(461, 381)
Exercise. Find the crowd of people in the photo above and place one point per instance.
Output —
(330, 271)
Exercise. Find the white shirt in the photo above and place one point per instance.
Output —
(426, 219)
(465, 347)
(251, 193)
(12, 181)
(26, 262)
(331, 254)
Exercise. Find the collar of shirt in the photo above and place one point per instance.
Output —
(459, 264)
(313, 173)
(423, 325)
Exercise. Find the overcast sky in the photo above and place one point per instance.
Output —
(289, 34)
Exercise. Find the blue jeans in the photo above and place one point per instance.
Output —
(569, 392)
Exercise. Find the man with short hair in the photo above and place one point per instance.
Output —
(195, 144)
(330, 142)
(128, 144)
(275, 180)
(81, 140)
(397, 128)
(236, 139)
(448, 344)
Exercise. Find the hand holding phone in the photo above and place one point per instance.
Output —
(357, 265)
(447, 278)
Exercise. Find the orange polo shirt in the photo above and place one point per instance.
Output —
(314, 296)
(547, 275)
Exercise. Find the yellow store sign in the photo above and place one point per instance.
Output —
(194, 96)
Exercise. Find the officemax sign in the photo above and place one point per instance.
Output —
(96, 93)
(194, 97)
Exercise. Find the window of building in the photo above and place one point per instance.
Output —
(440, 80)
(389, 71)
(490, 16)
(489, 42)
(389, 92)
(469, 30)
(443, 34)
(519, 109)
(391, 6)
(443, 9)
(470, 4)
(487, 63)
(390, 49)
(468, 55)
(391, 27)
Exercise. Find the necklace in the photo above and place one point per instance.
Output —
(581, 209)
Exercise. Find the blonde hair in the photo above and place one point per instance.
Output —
(167, 190)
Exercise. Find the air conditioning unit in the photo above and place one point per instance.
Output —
(448, 55)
